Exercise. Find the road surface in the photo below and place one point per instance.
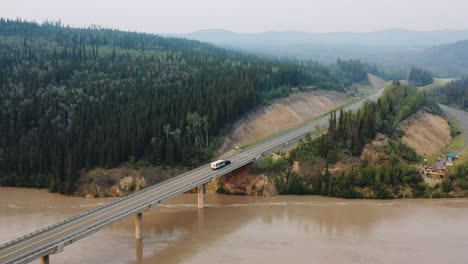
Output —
(462, 117)
(52, 239)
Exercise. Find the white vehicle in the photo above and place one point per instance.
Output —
(219, 164)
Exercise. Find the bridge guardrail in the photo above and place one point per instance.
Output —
(88, 212)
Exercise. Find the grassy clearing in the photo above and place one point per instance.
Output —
(462, 157)
(438, 82)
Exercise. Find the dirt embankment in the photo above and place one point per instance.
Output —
(428, 134)
(289, 112)
(119, 182)
(282, 114)
(244, 182)
(376, 82)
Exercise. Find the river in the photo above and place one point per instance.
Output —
(241, 229)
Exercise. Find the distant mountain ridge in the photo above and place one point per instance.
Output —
(391, 37)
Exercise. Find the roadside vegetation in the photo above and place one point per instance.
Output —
(456, 180)
(454, 93)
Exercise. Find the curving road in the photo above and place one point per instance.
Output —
(462, 117)
(54, 238)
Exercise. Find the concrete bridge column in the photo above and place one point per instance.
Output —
(45, 259)
(139, 226)
(201, 196)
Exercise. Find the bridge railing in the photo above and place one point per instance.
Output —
(88, 212)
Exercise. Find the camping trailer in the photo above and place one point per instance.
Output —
(219, 164)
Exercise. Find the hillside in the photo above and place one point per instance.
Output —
(74, 99)
(289, 112)
(428, 134)
(361, 155)
(449, 59)
(281, 115)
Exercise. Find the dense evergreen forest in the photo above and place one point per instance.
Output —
(354, 71)
(454, 93)
(347, 135)
(72, 98)
(419, 77)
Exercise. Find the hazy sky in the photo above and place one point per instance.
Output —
(180, 16)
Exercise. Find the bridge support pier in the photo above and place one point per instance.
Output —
(139, 251)
(45, 259)
(139, 226)
(201, 196)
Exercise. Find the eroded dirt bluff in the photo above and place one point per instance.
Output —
(119, 182)
(428, 134)
(287, 113)
(244, 182)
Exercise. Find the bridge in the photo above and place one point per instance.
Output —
(52, 239)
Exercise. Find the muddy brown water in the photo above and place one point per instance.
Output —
(240, 229)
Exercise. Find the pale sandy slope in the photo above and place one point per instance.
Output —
(287, 113)
(428, 134)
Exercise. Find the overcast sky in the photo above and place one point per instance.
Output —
(182, 16)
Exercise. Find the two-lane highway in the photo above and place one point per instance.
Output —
(52, 239)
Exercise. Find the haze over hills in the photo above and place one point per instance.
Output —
(451, 58)
(391, 37)
(395, 50)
